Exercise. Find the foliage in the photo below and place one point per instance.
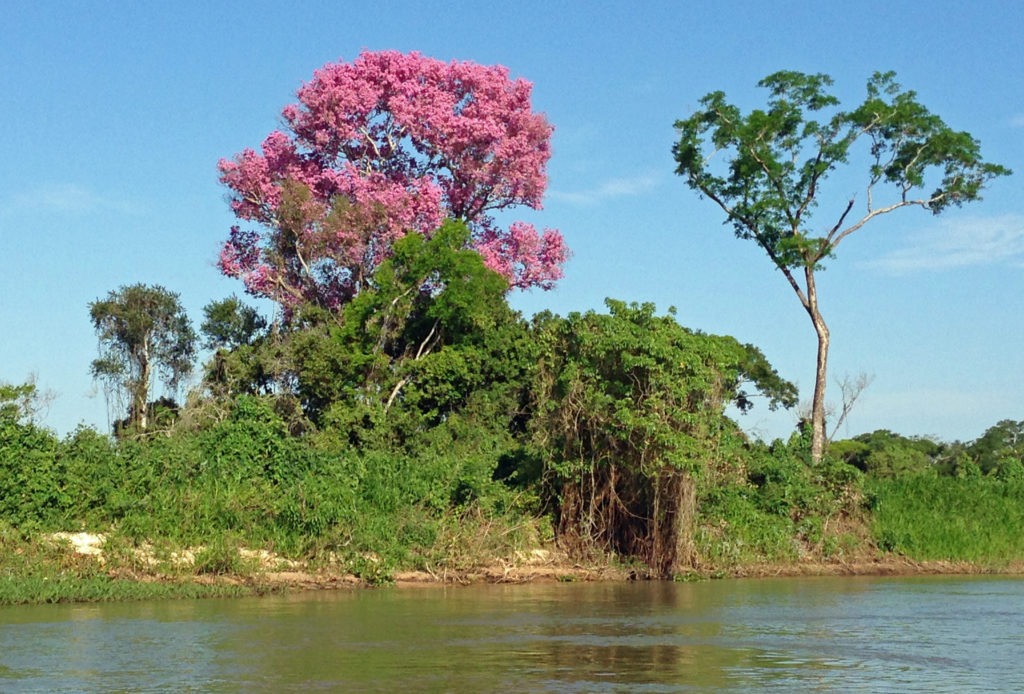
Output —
(414, 389)
(143, 331)
(885, 454)
(263, 366)
(22, 402)
(628, 412)
(1000, 450)
(387, 144)
(246, 481)
(785, 507)
(31, 475)
(434, 498)
(429, 334)
(778, 159)
(733, 529)
(753, 369)
(422, 322)
(230, 324)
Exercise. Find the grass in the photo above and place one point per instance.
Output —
(35, 589)
(35, 572)
(943, 518)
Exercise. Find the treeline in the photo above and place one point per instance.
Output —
(426, 425)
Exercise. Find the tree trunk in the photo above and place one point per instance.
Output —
(810, 302)
(683, 518)
(140, 396)
(821, 372)
(818, 404)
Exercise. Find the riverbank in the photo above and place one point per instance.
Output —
(89, 567)
(573, 572)
(245, 498)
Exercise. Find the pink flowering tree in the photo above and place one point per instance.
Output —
(389, 144)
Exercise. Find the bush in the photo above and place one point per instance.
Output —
(32, 475)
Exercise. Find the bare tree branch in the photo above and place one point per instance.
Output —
(851, 390)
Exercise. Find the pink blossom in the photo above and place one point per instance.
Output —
(524, 257)
(385, 145)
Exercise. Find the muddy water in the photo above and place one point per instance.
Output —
(786, 635)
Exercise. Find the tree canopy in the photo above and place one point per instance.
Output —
(1001, 449)
(143, 332)
(230, 323)
(376, 148)
(772, 165)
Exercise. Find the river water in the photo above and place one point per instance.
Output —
(785, 635)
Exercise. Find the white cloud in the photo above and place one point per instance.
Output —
(612, 188)
(960, 243)
(65, 198)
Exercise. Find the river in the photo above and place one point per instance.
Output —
(923, 634)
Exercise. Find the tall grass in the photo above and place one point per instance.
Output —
(968, 519)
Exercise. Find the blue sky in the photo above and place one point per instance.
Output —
(115, 114)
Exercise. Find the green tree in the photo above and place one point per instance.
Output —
(883, 453)
(1000, 449)
(425, 331)
(143, 333)
(628, 414)
(230, 323)
(778, 159)
(248, 357)
(430, 330)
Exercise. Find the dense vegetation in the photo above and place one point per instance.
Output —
(397, 414)
(427, 426)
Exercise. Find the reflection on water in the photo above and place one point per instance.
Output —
(825, 635)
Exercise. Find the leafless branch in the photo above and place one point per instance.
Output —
(851, 389)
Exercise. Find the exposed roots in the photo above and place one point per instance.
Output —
(616, 511)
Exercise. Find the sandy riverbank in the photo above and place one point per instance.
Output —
(270, 572)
